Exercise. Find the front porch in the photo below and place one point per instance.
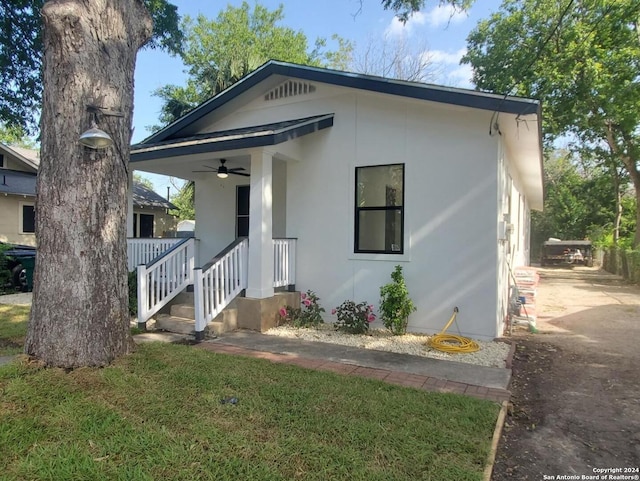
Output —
(166, 268)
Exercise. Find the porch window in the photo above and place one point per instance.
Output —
(27, 218)
(379, 209)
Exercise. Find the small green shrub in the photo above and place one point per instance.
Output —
(395, 304)
(354, 318)
(309, 313)
(133, 293)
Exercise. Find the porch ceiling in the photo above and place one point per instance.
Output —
(238, 140)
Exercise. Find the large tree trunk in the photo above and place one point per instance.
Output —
(80, 315)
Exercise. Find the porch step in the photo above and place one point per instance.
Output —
(185, 311)
(179, 325)
(181, 319)
(226, 321)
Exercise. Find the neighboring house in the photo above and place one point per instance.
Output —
(150, 213)
(367, 173)
(18, 172)
(18, 168)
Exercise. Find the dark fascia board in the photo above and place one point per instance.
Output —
(245, 142)
(434, 93)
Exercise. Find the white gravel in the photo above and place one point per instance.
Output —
(493, 354)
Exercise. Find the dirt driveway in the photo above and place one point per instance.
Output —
(576, 384)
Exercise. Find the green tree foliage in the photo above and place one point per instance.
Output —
(21, 55)
(579, 203)
(15, 135)
(184, 200)
(404, 8)
(220, 52)
(581, 58)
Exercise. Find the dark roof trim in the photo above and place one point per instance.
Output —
(244, 138)
(434, 93)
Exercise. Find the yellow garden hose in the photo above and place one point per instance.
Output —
(450, 342)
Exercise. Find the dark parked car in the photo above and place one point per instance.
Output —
(567, 252)
(14, 258)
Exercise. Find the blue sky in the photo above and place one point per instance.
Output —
(440, 31)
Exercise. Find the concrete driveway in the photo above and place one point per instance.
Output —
(576, 384)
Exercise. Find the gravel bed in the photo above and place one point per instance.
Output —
(492, 354)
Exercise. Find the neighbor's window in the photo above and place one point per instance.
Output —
(27, 218)
(379, 221)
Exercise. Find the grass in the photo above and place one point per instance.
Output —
(156, 414)
(13, 328)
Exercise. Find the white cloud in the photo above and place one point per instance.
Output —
(396, 28)
(448, 68)
(445, 14)
(447, 58)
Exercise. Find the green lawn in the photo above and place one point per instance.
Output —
(157, 415)
(13, 328)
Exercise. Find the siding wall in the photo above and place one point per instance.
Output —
(10, 211)
(451, 203)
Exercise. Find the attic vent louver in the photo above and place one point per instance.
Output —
(289, 88)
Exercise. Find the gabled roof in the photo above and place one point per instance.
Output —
(246, 137)
(422, 91)
(29, 157)
(17, 182)
(145, 197)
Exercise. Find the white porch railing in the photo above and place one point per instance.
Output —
(163, 278)
(217, 283)
(143, 251)
(284, 262)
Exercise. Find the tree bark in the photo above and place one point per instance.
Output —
(80, 313)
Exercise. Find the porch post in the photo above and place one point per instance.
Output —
(130, 204)
(260, 278)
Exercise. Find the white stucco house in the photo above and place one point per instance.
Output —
(365, 173)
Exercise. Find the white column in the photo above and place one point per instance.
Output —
(260, 278)
(130, 203)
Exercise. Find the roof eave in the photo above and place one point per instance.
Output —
(450, 95)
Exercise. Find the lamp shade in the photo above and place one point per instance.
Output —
(94, 138)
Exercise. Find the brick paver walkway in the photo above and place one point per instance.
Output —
(392, 377)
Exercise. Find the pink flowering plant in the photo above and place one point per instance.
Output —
(309, 313)
(354, 318)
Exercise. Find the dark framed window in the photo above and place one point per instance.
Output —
(143, 225)
(242, 211)
(1, 160)
(379, 209)
(28, 218)
(146, 225)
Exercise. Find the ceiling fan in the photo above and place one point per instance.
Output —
(223, 171)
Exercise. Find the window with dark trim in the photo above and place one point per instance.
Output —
(379, 209)
(143, 225)
(2, 160)
(28, 218)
